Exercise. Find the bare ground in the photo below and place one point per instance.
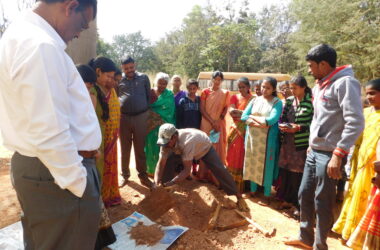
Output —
(193, 209)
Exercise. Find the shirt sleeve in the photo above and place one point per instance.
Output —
(147, 89)
(180, 113)
(275, 114)
(349, 98)
(42, 79)
(205, 94)
(234, 100)
(247, 111)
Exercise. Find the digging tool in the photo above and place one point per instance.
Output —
(214, 217)
(233, 225)
(156, 204)
(256, 225)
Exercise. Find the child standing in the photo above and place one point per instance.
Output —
(188, 111)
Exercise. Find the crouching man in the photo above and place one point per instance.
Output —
(179, 147)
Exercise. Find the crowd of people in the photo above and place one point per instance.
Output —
(284, 140)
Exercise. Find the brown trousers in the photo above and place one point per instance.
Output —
(133, 129)
(54, 218)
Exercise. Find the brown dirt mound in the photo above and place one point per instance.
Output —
(146, 235)
(194, 205)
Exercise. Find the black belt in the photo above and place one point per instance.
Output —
(88, 154)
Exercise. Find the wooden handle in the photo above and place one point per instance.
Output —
(214, 218)
(260, 228)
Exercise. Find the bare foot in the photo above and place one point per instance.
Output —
(296, 243)
(248, 195)
(284, 205)
(125, 182)
(265, 202)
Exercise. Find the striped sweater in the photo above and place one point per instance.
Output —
(303, 117)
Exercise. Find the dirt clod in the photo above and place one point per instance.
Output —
(146, 235)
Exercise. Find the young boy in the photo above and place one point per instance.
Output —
(188, 111)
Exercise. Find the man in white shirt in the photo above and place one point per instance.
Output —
(48, 120)
(179, 147)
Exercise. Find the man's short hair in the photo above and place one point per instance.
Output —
(128, 60)
(83, 4)
(322, 52)
(192, 82)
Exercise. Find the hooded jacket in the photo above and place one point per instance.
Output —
(338, 113)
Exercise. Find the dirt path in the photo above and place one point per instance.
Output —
(193, 209)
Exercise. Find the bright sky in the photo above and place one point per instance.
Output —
(153, 18)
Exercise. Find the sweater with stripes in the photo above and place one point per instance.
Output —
(303, 117)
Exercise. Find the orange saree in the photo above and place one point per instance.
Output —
(215, 103)
(235, 143)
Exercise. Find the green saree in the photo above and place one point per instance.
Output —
(164, 106)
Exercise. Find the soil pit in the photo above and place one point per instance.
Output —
(146, 235)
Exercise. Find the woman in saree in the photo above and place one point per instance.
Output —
(107, 163)
(362, 169)
(236, 135)
(214, 107)
(162, 111)
(105, 235)
(367, 233)
(262, 138)
(295, 126)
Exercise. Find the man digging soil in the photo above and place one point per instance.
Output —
(179, 147)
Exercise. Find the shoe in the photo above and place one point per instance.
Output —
(249, 195)
(125, 182)
(145, 181)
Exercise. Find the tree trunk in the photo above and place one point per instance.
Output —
(81, 50)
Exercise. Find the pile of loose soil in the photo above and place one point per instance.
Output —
(227, 217)
(194, 205)
(146, 235)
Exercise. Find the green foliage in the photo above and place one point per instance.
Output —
(232, 47)
(351, 26)
(134, 45)
(231, 38)
(276, 26)
(196, 34)
(105, 49)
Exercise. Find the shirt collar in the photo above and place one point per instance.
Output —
(34, 18)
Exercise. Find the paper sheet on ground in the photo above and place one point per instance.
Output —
(121, 229)
(11, 236)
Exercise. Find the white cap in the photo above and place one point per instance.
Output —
(165, 133)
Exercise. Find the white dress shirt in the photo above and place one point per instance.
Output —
(45, 108)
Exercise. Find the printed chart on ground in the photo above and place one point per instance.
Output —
(11, 236)
(124, 241)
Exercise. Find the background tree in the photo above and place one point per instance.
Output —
(106, 49)
(275, 28)
(134, 45)
(196, 34)
(352, 27)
